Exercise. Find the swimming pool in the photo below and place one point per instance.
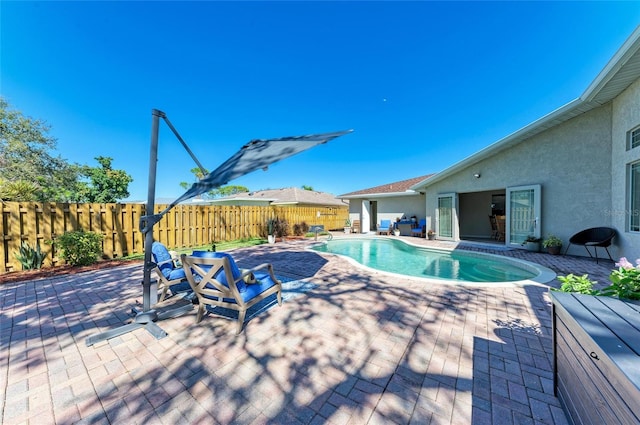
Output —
(396, 256)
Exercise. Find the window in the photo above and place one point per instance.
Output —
(634, 197)
(633, 138)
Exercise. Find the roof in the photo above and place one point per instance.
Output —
(286, 196)
(621, 71)
(402, 187)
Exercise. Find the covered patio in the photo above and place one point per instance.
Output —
(358, 348)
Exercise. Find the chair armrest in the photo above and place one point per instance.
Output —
(247, 274)
(164, 262)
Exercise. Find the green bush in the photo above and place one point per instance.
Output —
(581, 284)
(80, 248)
(30, 258)
(625, 281)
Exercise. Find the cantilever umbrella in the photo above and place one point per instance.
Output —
(255, 155)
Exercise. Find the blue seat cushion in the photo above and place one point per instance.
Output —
(263, 282)
(161, 254)
(175, 274)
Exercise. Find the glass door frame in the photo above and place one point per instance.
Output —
(534, 224)
(453, 214)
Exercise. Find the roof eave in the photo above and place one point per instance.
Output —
(380, 195)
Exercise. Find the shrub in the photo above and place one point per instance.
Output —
(80, 248)
(581, 284)
(300, 229)
(304, 226)
(30, 258)
(281, 228)
(625, 281)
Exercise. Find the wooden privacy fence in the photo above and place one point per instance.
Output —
(184, 226)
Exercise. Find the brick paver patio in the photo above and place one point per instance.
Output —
(359, 348)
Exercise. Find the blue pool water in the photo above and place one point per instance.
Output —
(394, 256)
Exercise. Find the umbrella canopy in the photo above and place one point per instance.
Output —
(255, 155)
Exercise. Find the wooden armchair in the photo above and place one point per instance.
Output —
(171, 277)
(218, 282)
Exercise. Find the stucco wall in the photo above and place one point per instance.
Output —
(626, 117)
(570, 162)
(391, 208)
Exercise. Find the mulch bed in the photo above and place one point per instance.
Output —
(50, 272)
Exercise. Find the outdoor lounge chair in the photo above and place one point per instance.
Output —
(218, 282)
(421, 229)
(384, 227)
(595, 237)
(170, 275)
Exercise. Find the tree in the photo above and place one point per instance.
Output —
(306, 187)
(105, 184)
(28, 172)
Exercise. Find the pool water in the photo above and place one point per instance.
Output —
(395, 256)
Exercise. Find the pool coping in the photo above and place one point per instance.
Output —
(543, 277)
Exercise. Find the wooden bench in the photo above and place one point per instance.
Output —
(596, 349)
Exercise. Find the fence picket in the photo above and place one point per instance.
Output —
(183, 227)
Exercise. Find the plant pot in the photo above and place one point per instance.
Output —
(431, 236)
(396, 232)
(554, 250)
(347, 230)
(271, 239)
(532, 246)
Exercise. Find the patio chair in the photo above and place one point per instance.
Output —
(384, 227)
(218, 282)
(421, 229)
(494, 227)
(355, 227)
(170, 274)
(595, 237)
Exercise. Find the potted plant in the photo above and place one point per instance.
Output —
(271, 225)
(396, 231)
(347, 225)
(431, 234)
(553, 244)
(281, 228)
(532, 243)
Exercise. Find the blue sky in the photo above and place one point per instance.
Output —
(423, 84)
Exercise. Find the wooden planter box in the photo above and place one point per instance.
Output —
(596, 347)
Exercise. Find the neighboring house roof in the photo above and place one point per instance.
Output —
(286, 196)
(622, 70)
(402, 187)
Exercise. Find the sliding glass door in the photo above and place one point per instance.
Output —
(446, 216)
(523, 213)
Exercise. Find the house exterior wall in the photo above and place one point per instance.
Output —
(569, 161)
(388, 208)
(626, 117)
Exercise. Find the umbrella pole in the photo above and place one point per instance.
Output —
(151, 199)
(147, 316)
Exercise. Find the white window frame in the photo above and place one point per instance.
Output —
(633, 216)
(633, 138)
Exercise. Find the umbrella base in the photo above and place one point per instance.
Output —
(144, 319)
